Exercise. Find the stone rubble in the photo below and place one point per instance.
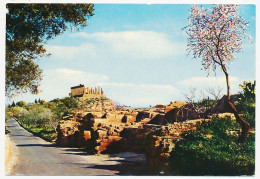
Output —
(152, 130)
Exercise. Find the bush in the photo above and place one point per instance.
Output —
(21, 103)
(37, 119)
(212, 150)
(8, 113)
(42, 117)
(62, 106)
(209, 103)
(246, 102)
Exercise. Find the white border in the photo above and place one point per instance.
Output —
(2, 63)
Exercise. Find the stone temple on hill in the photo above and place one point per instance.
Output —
(86, 92)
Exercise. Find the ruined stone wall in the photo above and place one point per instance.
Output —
(79, 91)
(87, 92)
(152, 130)
(92, 96)
(161, 141)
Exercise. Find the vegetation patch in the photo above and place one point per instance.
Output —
(41, 118)
(213, 150)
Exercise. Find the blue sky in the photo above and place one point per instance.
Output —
(137, 54)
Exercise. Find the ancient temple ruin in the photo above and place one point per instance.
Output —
(87, 92)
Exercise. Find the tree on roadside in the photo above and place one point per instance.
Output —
(214, 36)
(28, 27)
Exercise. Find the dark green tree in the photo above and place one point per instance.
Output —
(28, 27)
(13, 104)
(248, 91)
(35, 101)
(21, 103)
(42, 102)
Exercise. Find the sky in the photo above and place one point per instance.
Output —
(137, 53)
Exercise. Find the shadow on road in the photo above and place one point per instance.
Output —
(125, 167)
(126, 163)
(36, 145)
(18, 135)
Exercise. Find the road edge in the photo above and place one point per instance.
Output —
(33, 133)
(10, 155)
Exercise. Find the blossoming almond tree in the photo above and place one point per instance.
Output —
(214, 36)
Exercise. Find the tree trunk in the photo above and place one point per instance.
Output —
(244, 124)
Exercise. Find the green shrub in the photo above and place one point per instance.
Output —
(21, 103)
(213, 150)
(42, 117)
(209, 103)
(37, 119)
(248, 90)
(246, 102)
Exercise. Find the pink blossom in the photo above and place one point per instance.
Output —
(214, 35)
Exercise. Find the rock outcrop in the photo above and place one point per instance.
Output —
(152, 130)
(160, 142)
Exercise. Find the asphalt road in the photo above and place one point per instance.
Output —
(35, 156)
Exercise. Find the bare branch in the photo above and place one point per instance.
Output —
(216, 92)
(190, 95)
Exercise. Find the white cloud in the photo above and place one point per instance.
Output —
(208, 80)
(76, 76)
(202, 83)
(120, 45)
(72, 52)
(140, 94)
(56, 83)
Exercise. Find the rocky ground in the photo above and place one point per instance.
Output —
(124, 140)
(106, 129)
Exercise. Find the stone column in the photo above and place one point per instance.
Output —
(98, 89)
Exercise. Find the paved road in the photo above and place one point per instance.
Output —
(35, 156)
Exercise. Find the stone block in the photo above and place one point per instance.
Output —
(119, 117)
(111, 116)
(101, 133)
(168, 108)
(113, 139)
(87, 135)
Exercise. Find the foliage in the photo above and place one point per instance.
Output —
(8, 113)
(250, 117)
(62, 106)
(209, 103)
(42, 118)
(21, 103)
(42, 101)
(248, 91)
(211, 150)
(48, 134)
(214, 35)
(246, 101)
(28, 27)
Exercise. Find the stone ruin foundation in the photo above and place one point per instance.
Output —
(152, 130)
